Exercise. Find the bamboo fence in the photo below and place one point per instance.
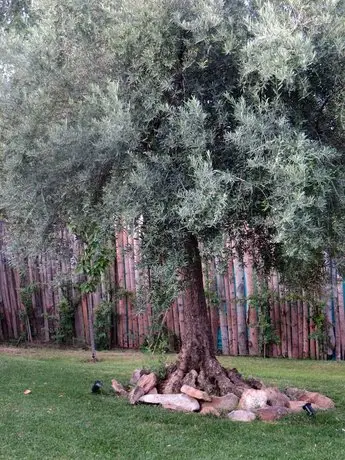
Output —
(248, 315)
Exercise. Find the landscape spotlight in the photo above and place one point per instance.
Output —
(309, 410)
(97, 386)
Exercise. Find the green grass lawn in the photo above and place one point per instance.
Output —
(61, 419)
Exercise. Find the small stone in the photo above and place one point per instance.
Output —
(136, 394)
(118, 388)
(276, 397)
(269, 414)
(147, 382)
(242, 416)
(136, 376)
(253, 399)
(225, 403)
(209, 410)
(294, 393)
(27, 392)
(177, 402)
(194, 393)
(296, 406)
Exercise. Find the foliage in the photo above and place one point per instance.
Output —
(182, 118)
(102, 325)
(65, 330)
(262, 302)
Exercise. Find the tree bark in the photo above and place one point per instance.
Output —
(197, 352)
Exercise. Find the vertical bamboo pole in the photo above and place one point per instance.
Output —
(233, 308)
(294, 328)
(44, 298)
(135, 325)
(129, 312)
(300, 327)
(284, 348)
(336, 316)
(228, 309)
(312, 330)
(253, 334)
(120, 286)
(138, 279)
(341, 314)
(274, 286)
(288, 324)
(306, 343)
(241, 307)
(222, 314)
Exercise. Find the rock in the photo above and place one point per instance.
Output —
(323, 402)
(276, 398)
(136, 394)
(118, 388)
(147, 382)
(294, 393)
(242, 416)
(296, 406)
(269, 414)
(178, 402)
(225, 403)
(253, 399)
(136, 376)
(154, 391)
(194, 393)
(209, 410)
(190, 378)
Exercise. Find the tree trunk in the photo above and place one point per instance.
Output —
(197, 352)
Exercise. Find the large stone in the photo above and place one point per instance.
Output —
(194, 393)
(269, 414)
(225, 403)
(296, 406)
(210, 411)
(147, 382)
(321, 401)
(177, 402)
(253, 399)
(294, 393)
(136, 394)
(242, 416)
(276, 398)
(144, 385)
(136, 376)
(118, 388)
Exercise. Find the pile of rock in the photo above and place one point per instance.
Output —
(267, 404)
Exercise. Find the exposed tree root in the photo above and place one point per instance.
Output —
(207, 375)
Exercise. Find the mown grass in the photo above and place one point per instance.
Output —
(61, 419)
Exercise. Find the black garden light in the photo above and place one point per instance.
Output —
(309, 409)
(97, 386)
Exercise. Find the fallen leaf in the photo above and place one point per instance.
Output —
(27, 392)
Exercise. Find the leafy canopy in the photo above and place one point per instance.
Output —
(184, 116)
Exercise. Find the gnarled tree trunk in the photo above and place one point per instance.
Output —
(197, 352)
